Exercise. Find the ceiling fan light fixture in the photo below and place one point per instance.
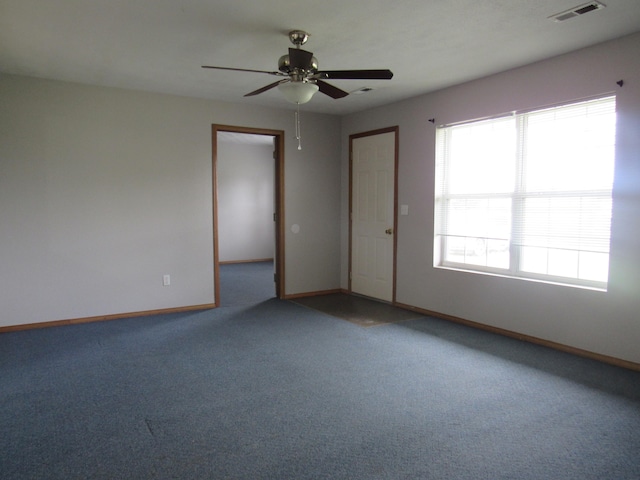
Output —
(298, 92)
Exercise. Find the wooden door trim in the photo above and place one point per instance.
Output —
(279, 203)
(370, 133)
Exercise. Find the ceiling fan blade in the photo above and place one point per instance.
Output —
(264, 89)
(355, 74)
(300, 59)
(280, 74)
(328, 89)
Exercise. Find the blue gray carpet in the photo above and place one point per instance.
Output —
(274, 390)
(246, 283)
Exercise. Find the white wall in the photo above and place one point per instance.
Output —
(102, 191)
(607, 323)
(246, 203)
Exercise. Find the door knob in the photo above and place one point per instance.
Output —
(389, 231)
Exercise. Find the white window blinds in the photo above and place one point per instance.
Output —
(529, 194)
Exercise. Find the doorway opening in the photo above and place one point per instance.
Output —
(248, 205)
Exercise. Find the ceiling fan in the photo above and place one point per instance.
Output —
(303, 79)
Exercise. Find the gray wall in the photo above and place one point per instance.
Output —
(246, 190)
(604, 322)
(102, 191)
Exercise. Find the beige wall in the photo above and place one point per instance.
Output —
(103, 191)
(603, 322)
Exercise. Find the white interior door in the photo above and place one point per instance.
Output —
(373, 215)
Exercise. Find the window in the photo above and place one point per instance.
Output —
(528, 195)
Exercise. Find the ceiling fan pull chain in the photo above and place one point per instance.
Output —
(298, 137)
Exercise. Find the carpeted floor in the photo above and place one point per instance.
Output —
(275, 390)
(246, 283)
(252, 282)
(359, 310)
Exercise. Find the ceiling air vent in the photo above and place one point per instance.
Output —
(362, 90)
(577, 11)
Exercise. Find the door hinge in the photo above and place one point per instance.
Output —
(275, 217)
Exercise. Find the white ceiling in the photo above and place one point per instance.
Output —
(160, 45)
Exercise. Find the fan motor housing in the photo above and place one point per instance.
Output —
(284, 64)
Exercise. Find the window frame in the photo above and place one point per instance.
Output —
(517, 198)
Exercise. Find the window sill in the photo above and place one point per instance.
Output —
(548, 281)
